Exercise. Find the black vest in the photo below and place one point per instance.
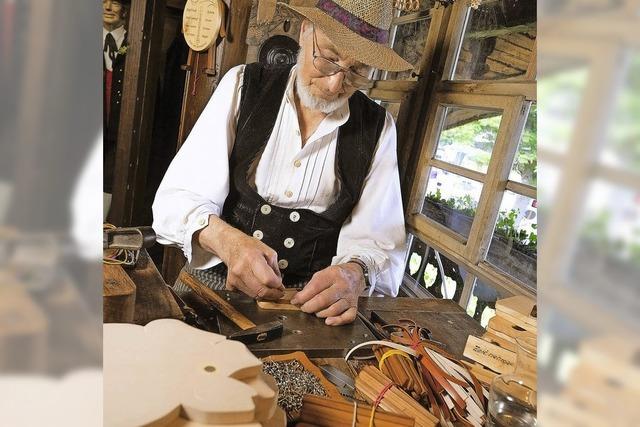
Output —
(304, 240)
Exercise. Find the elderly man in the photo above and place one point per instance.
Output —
(289, 177)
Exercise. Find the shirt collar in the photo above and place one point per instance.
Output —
(118, 34)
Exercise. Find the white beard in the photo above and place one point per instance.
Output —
(310, 101)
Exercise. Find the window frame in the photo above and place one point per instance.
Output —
(514, 98)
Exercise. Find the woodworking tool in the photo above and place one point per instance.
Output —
(250, 333)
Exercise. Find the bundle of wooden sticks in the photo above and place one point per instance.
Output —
(402, 369)
(430, 376)
(326, 412)
(379, 389)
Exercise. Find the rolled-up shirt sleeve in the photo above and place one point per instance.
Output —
(375, 232)
(196, 183)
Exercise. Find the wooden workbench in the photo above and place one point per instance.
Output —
(447, 321)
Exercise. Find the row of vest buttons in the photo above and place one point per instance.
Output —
(288, 242)
(293, 216)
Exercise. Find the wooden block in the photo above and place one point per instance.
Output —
(119, 295)
(484, 375)
(283, 303)
(499, 324)
(499, 340)
(167, 369)
(518, 307)
(490, 355)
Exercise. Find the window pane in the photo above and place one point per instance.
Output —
(409, 43)
(451, 200)
(562, 90)
(498, 41)
(468, 136)
(622, 148)
(424, 266)
(514, 246)
(482, 304)
(606, 265)
(525, 165)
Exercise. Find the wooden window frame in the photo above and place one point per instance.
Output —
(513, 98)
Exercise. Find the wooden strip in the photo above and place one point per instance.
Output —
(524, 189)
(490, 355)
(283, 303)
(498, 323)
(519, 307)
(498, 340)
(510, 88)
(458, 170)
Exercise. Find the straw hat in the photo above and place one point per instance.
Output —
(358, 28)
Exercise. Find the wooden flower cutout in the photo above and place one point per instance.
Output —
(169, 373)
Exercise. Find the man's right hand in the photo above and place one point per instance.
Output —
(252, 266)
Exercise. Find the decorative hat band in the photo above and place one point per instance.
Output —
(352, 22)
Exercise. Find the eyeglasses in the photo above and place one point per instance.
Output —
(328, 68)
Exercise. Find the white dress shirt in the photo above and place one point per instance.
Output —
(289, 175)
(118, 34)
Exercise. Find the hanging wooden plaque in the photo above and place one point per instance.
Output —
(201, 23)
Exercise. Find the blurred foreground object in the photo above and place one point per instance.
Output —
(150, 377)
(589, 192)
(513, 397)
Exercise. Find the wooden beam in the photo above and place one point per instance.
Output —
(527, 88)
(483, 34)
(511, 126)
(524, 189)
(458, 170)
(138, 104)
(416, 111)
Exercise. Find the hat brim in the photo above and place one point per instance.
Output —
(352, 44)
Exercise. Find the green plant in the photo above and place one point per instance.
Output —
(522, 240)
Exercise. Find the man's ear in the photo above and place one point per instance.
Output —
(305, 26)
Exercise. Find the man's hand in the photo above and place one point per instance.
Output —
(333, 293)
(252, 266)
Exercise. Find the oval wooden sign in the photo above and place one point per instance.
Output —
(201, 23)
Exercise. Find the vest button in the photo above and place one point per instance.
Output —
(258, 234)
(289, 242)
(283, 263)
(265, 209)
(294, 216)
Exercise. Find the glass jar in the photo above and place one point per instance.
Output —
(513, 397)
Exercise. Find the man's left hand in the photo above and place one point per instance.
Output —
(333, 293)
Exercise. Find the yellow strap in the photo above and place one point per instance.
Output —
(391, 353)
(373, 412)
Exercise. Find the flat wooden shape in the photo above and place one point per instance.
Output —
(266, 396)
(201, 23)
(519, 307)
(499, 340)
(283, 303)
(490, 355)
(499, 324)
(154, 373)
